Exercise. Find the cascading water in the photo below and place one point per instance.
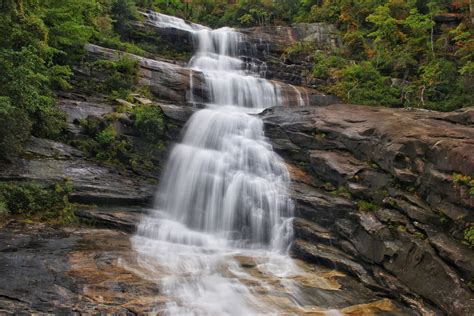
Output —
(224, 193)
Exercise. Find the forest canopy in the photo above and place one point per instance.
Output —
(398, 53)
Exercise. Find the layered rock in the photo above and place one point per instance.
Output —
(52, 162)
(173, 83)
(264, 45)
(381, 185)
(94, 271)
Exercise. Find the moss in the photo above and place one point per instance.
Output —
(320, 136)
(419, 235)
(374, 165)
(469, 235)
(464, 180)
(402, 228)
(443, 219)
(31, 200)
(328, 186)
(366, 206)
(342, 192)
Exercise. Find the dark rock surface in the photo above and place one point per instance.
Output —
(121, 218)
(70, 270)
(380, 182)
(52, 162)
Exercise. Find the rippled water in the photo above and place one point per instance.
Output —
(223, 199)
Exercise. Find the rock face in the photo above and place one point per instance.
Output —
(271, 44)
(266, 46)
(380, 183)
(52, 162)
(94, 271)
(173, 83)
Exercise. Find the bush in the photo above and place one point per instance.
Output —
(366, 206)
(33, 199)
(469, 236)
(119, 76)
(148, 119)
(14, 130)
(362, 83)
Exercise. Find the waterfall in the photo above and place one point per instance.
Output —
(224, 191)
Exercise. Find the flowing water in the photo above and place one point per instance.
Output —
(217, 239)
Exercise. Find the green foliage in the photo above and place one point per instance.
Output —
(104, 143)
(364, 84)
(123, 12)
(469, 235)
(149, 122)
(366, 206)
(395, 46)
(117, 78)
(464, 180)
(45, 202)
(26, 101)
(342, 192)
(243, 13)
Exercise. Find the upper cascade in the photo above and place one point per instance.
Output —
(230, 80)
(168, 21)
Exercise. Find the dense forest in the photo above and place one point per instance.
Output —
(394, 53)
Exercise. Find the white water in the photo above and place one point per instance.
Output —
(223, 195)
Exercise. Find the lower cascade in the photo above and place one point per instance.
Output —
(223, 199)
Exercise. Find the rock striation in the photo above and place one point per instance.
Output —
(375, 196)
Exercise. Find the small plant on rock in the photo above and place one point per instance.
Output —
(366, 206)
(466, 181)
(469, 235)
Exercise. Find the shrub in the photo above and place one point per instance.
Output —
(119, 76)
(33, 199)
(469, 235)
(363, 83)
(366, 206)
(464, 180)
(148, 119)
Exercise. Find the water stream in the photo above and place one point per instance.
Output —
(217, 238)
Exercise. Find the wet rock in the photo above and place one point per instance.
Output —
(124, 219)
(176, 113)
(71, 270)
(320, 207)
(457, 254)
(45, 148)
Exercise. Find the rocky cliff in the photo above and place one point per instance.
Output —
(375, 197)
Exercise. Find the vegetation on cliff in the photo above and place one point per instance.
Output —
(397, 52)
(33, 200)
(41, 41)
